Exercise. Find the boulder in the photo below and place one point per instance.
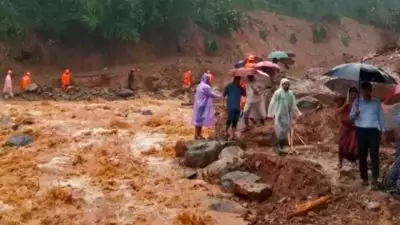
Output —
(180, 148)
(20, 140)
(231, 152)
(252, 191)
(247, 185)
(229, 179)
(202, 153)
(226, 206)
(307, 103)
(239, 143)
(124, 93)
(230, 159)
(189, 173)
(32, 88)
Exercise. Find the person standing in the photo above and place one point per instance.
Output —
(233, 93)
(347, 133)
(282, 108)
(367, 113)
(8, 86)
(253, 102)
(25, 82)
(203, 109)
(131, 78)
(187, 80)
(66, 79)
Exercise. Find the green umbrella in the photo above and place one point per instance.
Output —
(278, 55)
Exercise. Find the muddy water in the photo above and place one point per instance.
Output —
(101, 163)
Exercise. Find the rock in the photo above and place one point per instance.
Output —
(373, 206)
(225, 164)
(147, 113)
(225, 144)
(21, 140)
(252, 191)
(229, 179)
(124, 93)
(180, 148)
(231, 152)
(201, 154)
(190, 173)
(307, 103)
(226, 206)
(32, 88)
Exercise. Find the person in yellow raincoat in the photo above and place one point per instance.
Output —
(66, 79)
(25, 82)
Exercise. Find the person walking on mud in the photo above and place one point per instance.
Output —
(131, 77)
(282, 108)
(233, 93)
(368, 117)
(8, 86)
(253, 106)
(203, 108)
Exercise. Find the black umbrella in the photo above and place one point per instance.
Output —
(361, 72)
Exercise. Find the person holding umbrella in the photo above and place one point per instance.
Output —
(368, 117)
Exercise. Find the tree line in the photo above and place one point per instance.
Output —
(135, 20)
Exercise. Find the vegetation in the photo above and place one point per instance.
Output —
(319, 32)
(135, 20)
(293, 38)
(346, 40)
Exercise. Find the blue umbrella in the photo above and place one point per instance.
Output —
(278, 55)
(361, 72)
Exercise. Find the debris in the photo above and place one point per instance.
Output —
(303, 208)
(229, 179)
(180, 148)
(373, 206)
(228, 206)
(307, 103)
(19, 140)
(147, 113)
(124, 93)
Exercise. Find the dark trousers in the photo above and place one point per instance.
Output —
(368, 140)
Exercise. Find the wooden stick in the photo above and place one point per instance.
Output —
(307, 206)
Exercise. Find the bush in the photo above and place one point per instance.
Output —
(293, 38)
(211, 46)
(263, 34)
(319, 32)
(346, 40)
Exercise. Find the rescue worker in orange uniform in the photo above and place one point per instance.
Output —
(66, 79)
(250, 62)
(25, 81)
(187, 79)
(210, 77)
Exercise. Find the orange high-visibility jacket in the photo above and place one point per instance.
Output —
(211, 78)
(25, 82)
(65, 80)
(243, 84)
(187, 79)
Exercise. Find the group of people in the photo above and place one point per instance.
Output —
(282, 107)
(361, 116)
(26, 81)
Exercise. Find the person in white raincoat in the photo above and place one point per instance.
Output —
(282, 107)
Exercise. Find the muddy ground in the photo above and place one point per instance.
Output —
(112, 162)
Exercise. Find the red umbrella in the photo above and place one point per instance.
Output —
(243, 72)
(268, 67)
(393, 95)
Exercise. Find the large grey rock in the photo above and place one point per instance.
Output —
(124, 93)
(201, 154)
(247, 185)
(230, 159)
(307, 103)
(229, 179)
(32, 88)
(21, 140)
(252, 191)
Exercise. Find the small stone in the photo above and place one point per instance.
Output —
(231, 153)
(147, 113)
(190, 173)
(252, 191)
(22, 140)
(226, 206)
(373, 206)
(124, 93)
